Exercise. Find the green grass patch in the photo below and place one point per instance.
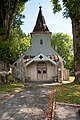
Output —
(10, 87)
(71, 78)
(68, 93)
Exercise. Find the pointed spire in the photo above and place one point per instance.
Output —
(40, 23)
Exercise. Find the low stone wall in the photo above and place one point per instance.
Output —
(4, 75)
(18, 71)
(65, 74)
(4, 66)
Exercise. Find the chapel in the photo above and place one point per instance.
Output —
(40, 62)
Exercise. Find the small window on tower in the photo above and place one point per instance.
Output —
(41, 42)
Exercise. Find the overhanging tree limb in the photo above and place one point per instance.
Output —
(72, 10)
(8, 11)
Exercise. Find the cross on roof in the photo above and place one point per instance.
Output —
(40, 7)
(40, 56)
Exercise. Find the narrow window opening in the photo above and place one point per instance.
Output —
(41, 42)
(44, 71)
(39, 71)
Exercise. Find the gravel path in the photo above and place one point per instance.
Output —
(29, 104)
(32, 103)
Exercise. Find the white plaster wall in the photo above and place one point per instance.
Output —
(45, 48)
(51, 70)
(32, 71)
(36, 39)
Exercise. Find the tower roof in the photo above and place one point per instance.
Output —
(40, 26)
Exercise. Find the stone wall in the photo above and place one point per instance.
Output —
(65, 74)
(4, 66)
(4, 71)
(18, 71)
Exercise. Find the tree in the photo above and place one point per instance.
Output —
(14, 47)
(10, 21)
(9, 9)
(63, 44)
(72, 9)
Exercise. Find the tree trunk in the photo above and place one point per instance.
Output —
(4, 68)
(7, 14)
(76, 43)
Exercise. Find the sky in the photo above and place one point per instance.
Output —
(55, 22)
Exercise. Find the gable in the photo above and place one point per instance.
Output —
(39, 58)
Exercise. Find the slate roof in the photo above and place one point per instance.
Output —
(46, 51)
(41, 25)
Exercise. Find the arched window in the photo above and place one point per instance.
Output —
(41, 42)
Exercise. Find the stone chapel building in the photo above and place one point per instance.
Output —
(40, 62)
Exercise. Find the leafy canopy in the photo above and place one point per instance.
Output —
(63, 44)
(14, 47)
(9, 9)
(70, 7)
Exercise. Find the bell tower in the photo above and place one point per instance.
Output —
(41, 38)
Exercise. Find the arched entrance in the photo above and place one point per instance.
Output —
(41, 71)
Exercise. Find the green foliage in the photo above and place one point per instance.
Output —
(56, 6)
(4, 51)
(68, 93)
(18, 21)
(17, 43)
(70, 7)
(63, 44)
(10, 87)
(10, 11)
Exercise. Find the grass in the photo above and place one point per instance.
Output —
(10, 87)
(68, 93)
(71, 78)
